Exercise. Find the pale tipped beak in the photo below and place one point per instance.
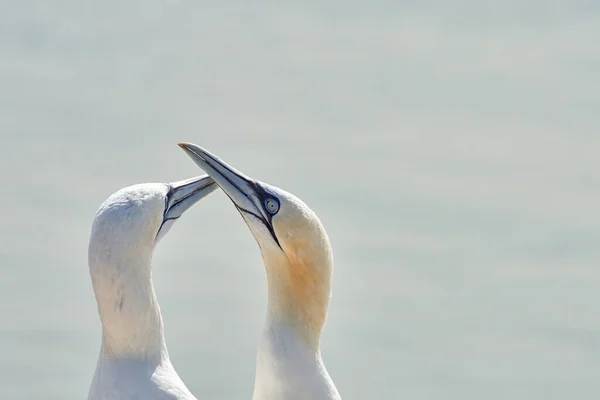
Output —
(184, 194)
(238, 187)
(245, 193)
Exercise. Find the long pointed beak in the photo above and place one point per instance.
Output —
(241, 189)
(184, 194)
(246, 193)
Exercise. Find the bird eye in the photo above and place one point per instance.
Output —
(272, 206)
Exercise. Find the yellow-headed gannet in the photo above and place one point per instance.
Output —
(134, 362)
(299, 264)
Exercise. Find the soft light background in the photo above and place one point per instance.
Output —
(452, 150)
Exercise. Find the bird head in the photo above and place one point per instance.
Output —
(293, 242)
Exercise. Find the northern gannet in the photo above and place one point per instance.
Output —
(299, 265)
(134, 362)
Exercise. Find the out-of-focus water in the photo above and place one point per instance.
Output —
(450, 149)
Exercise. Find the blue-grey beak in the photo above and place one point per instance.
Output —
(248, 195)
(184, 194)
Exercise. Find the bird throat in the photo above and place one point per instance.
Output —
(298, 299)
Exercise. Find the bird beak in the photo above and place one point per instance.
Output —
(184, 194)
(238, 187)
(245, 193)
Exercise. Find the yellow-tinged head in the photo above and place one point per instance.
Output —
(294, 245)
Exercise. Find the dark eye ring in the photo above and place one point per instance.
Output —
(272, 206)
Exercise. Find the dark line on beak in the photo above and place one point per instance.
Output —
(251, 183)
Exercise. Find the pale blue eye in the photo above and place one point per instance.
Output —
(272, 206)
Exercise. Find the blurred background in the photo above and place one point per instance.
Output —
(450, 149)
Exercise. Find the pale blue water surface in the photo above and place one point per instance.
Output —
(452, 150)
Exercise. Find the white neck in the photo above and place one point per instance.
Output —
(288, 367)
(134, 362)
(132, 326)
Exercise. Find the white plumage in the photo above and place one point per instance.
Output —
(134, 361)
(299, 265)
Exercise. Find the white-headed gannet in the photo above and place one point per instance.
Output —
(134, 362)
(299, 265)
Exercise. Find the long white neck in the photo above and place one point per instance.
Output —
(133, 362)
(132, 326)
(289, 364)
